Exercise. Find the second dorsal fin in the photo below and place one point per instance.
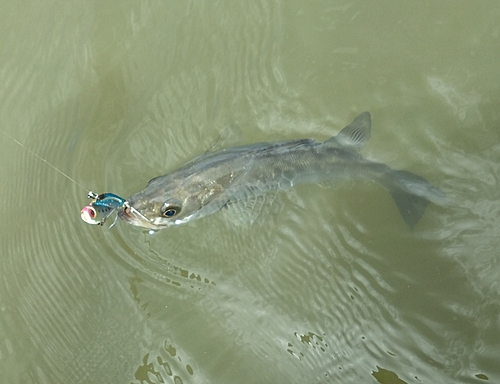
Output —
(355, 134)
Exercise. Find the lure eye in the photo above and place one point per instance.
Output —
(88, 214)
(169, 210)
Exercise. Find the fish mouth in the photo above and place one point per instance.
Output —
(133, 216)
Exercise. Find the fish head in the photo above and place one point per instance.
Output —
(164, 203)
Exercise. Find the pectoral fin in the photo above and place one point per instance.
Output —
(247, 212)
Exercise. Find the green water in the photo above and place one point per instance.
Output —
(328, 285)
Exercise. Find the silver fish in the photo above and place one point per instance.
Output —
(218, 179)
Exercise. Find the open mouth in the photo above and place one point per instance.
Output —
(124, 214)
(134, 217)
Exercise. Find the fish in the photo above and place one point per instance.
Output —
(228, 176)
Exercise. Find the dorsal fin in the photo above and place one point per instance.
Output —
(355, 134)
(229, 136)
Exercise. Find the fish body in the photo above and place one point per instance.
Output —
(214, 180)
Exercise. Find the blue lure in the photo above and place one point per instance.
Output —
(101, 207)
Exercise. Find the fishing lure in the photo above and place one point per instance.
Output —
(101, 207)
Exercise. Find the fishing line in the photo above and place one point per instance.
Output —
(101, 207)
(44, 160)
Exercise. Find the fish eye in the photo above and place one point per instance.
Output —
(169, 210)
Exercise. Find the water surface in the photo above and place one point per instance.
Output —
(327, 285)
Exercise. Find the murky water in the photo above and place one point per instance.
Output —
(327, 285)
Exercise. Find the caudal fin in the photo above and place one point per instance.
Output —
(411, 207)
(412, 194)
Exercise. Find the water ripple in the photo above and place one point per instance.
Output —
(320, 285)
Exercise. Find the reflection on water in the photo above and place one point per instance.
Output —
(324, 285)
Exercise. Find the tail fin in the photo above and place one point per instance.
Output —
(412, 194)
(411, 207)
